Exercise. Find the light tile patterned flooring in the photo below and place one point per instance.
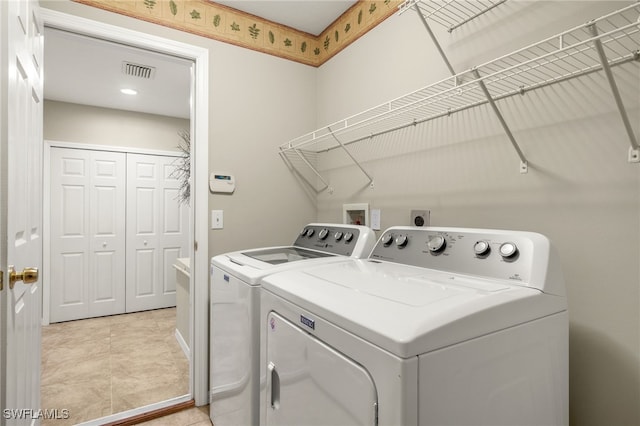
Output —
(101, 366)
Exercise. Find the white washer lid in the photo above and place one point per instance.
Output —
(409, 310)
(251, 270)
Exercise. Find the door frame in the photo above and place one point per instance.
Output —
(199, 170)
(3, 178)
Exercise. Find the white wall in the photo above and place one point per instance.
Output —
(104, 126)
(580, 190)
(256, 102)
(260, 101)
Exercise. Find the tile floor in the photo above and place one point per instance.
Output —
(100, 366)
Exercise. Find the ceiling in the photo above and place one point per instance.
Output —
(88, 71)
(310, 16)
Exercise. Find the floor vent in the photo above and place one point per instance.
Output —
(137, 70)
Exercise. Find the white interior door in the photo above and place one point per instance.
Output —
(21, 198)
(87, 233)
(157, 234)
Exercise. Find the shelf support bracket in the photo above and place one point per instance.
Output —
(352, 157)
(314, 170)
(524, 166)
(634, 151)
(435, 41)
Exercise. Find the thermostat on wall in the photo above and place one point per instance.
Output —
(220, 182)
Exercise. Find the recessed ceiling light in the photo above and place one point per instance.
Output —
(129, 91)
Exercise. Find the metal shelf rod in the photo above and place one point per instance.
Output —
(313, 169)
(435, 40)
(352, 157)
(614, 88)
(505, 127)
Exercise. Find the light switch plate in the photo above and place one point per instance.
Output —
(217, 219)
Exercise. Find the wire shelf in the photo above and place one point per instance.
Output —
(451, 14)
(567, 55)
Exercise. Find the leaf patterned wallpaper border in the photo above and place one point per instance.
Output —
(218, 22)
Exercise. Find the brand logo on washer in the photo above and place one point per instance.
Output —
(308, 322)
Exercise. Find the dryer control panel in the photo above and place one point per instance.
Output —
(521, 257)
(344, 240)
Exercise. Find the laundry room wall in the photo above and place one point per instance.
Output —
(256, 102)
(580, 190)
(67, 122)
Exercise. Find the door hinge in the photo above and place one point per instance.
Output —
(1, 280)
(195, 246)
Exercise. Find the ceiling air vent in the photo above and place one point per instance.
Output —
(137, 70)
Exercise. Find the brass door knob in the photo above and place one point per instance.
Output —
(27, 276)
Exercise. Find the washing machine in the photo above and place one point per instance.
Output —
(235, 308)
(438, 326)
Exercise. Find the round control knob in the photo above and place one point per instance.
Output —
(387, 239)
(323, 234)
(310, 232)
(481, 248)
(401, 241)
(436, 244)
(303, 232)
(338, 236)
(348, 237)
(508, 250)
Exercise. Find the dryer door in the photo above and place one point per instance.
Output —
(309, 383)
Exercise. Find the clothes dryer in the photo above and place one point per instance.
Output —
(439, 326)
(235, 309)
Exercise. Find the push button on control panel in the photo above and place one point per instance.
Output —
(401, 241)
(481, 248)
(387, 239)
(508, 250)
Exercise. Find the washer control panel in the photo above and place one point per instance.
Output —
(484, 253)
(332, 238)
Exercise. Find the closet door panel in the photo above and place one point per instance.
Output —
(73, 267)
(69, 234)
(104, 278)
(87, 233)
(108, 226)
(158, 232)
(145, 277)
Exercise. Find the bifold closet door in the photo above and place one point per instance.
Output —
(87, 233)
(157, 233)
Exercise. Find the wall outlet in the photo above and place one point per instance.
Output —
(420, 217)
